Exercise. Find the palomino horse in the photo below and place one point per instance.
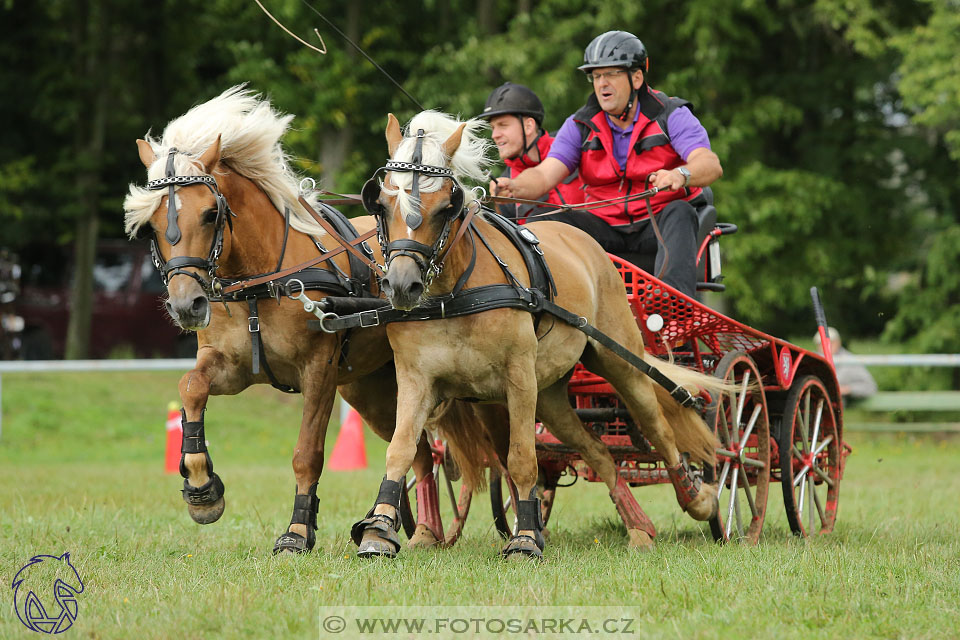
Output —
(235, 213)
(509, 356)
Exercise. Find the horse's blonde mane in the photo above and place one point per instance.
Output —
(470, 160)
(250, 131)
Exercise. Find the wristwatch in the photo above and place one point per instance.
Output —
(686, 176)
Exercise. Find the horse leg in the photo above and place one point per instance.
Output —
(202, 488)
(319, 386)
(376, 534)
(522, 459)
(639, 394)
(379, 411)
(553, 408)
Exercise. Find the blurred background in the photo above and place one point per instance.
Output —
(837, 123)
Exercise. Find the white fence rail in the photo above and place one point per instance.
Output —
(185, 364)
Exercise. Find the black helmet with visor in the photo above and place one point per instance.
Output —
(517, 100)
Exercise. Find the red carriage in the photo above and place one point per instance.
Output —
(784, 424)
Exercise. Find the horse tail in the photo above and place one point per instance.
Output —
(467, 438)
(690, 432)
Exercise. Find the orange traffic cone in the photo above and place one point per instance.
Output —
(349, 452)
(174, 437)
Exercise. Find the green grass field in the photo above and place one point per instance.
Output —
(81, 470)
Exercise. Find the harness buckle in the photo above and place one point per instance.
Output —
(369, 318)
(253, 324)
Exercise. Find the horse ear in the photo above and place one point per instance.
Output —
(394, 135)
(147, 156)
(210, 157)
(453, 142)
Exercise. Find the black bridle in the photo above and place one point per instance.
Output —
(428, 258)
(175, 266)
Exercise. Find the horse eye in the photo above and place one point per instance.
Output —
(210, 215)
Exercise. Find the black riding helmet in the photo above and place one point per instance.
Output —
(510, 98)
(616, 49)
(517, 100)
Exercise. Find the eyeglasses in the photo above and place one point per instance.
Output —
(609, 75)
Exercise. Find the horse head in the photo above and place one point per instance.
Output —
(420, 201)
(187, 229)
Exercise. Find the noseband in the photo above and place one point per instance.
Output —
(428, 258)
(175, 266)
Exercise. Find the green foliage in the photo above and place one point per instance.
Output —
(833, 119)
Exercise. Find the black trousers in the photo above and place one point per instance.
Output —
(674, 262)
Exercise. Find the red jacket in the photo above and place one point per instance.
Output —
(568, 192)
(650, 151)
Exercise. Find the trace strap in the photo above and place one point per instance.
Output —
(499, 296)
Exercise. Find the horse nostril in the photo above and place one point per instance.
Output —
(416, 290)
(169, 307)
(199, 305)
(386, 287)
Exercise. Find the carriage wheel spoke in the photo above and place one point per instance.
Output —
(725, 438)
(816, 424)
(823, 445)
(742, 400)
(803, 488)
(733, 504)
(746, 490)
(805, 421)
(823, 475)
(750, 425)
(753, 462)
(723, 479)
(812, 497)
(823, 518)
(799, 477)
(411, 483)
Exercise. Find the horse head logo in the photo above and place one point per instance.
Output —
(38, 575)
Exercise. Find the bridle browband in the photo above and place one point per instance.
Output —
(428, 258)
(175, 266)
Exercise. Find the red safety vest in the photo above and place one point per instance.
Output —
(650, 151)
(567, 192)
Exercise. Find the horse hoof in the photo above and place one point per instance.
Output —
(376, 548)
(291, 542)
(206, 513)
(522, 547)
(640, 540)
(706, 505)
(422, 538)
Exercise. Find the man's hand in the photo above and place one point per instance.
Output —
(503, 187)
(667, 180)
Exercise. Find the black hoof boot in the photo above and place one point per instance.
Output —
(529, 518)
(205, 503)
(385, 542)
(305, 509)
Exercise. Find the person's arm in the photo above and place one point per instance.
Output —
(533, 182)
(703, 165)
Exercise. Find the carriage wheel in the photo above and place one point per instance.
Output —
(504, 511)
(455, 497)
(740, 420)
(810, 458)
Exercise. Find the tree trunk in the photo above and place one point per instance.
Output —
(486, 16)
(89, 141)
(335, 144)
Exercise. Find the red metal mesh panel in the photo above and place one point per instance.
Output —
(684, 319)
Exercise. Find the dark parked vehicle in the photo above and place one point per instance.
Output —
(128, 315)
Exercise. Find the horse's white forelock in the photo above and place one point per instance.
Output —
(250, 131)
(470, 161)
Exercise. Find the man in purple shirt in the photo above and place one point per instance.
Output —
(626, 139)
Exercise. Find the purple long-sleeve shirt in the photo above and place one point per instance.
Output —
(686, 134)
